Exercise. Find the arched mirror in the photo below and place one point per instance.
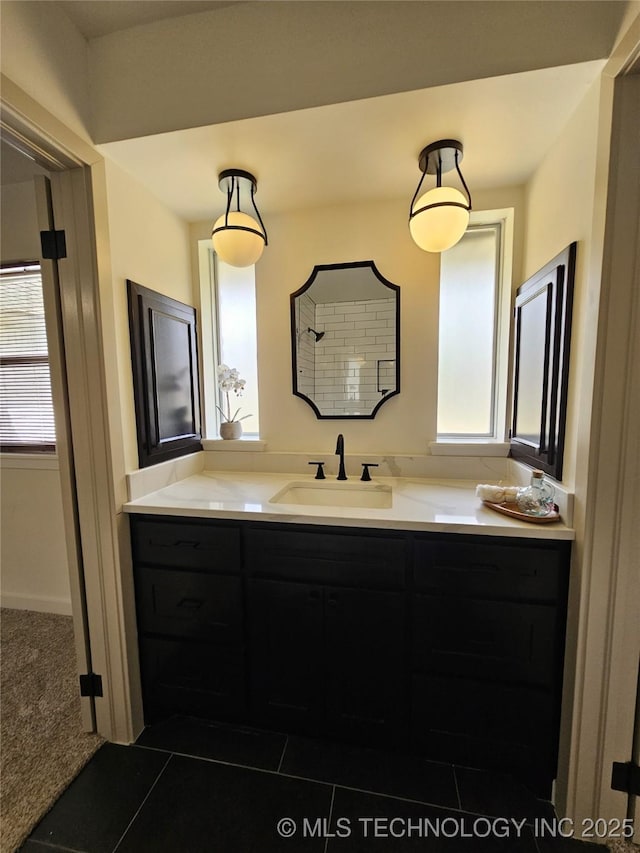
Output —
(345, 340)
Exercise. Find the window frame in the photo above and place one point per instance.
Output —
(496, 442)
(47, 448)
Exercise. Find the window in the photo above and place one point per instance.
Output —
(228, 301)
(475, 279)
(26, 408)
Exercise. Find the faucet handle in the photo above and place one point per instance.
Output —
(366, 476)
(320, 471)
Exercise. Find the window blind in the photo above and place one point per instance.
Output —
(26, 408)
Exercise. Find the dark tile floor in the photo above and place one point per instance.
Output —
(193, 786)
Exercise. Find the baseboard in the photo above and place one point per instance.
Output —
(61, 606)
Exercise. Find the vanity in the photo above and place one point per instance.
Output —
(397, 612)
(399, 627)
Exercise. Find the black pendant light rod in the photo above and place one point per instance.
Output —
(229, 181)
(229, 200)
(255, 207)
(462, 180)
(439, 157)
(417, 193)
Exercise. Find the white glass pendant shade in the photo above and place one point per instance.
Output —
(437, 229)
(239, 248)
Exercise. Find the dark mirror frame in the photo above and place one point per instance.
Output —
(294, 361)
(555, 283)
(149, 363)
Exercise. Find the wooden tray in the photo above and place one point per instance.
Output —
(507, 509)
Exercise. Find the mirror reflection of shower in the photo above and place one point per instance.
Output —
(345, 340)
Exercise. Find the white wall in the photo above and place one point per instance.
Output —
(149, 245)
(44, 54)
(566, 200)
(251, 59)
(33, 552)
(219, 65)
(19, 239)
(560, 203)
(375, 231)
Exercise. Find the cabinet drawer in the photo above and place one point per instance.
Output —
(491, 570)
(190, 678)
(186, 545)
(476, 724)
(498, 640)
(323, 557)
(189, 604)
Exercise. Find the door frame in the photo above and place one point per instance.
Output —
(93, 460)
(600, 703)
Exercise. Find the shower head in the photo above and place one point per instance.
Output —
(319, 335)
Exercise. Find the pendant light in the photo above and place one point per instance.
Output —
(237, 238)
(439, 218)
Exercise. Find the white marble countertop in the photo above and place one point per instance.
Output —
(445, 506)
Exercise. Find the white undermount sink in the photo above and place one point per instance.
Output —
(333, 493)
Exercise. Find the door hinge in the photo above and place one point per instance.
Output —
(626, 777)
(91, 684)
(54, 245)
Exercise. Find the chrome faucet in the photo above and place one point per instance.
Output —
(342, 475)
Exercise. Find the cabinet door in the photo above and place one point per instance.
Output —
(506, 727)
(365, 662)
(286, 651)
(184, 677)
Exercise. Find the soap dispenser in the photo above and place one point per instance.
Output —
(536, 498)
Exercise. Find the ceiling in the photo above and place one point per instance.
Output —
(93, 18)
(362, 150)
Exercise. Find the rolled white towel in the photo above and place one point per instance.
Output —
(497, 494)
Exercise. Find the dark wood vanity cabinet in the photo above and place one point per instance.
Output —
(443, 644)
(190, 608)
(327, 659)
(285, 638)
(327, 617)
(487, 646)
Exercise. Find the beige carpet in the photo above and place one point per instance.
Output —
(42, 746)
(622, 846)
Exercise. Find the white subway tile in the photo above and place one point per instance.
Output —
(370, 324)
(339, 326)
